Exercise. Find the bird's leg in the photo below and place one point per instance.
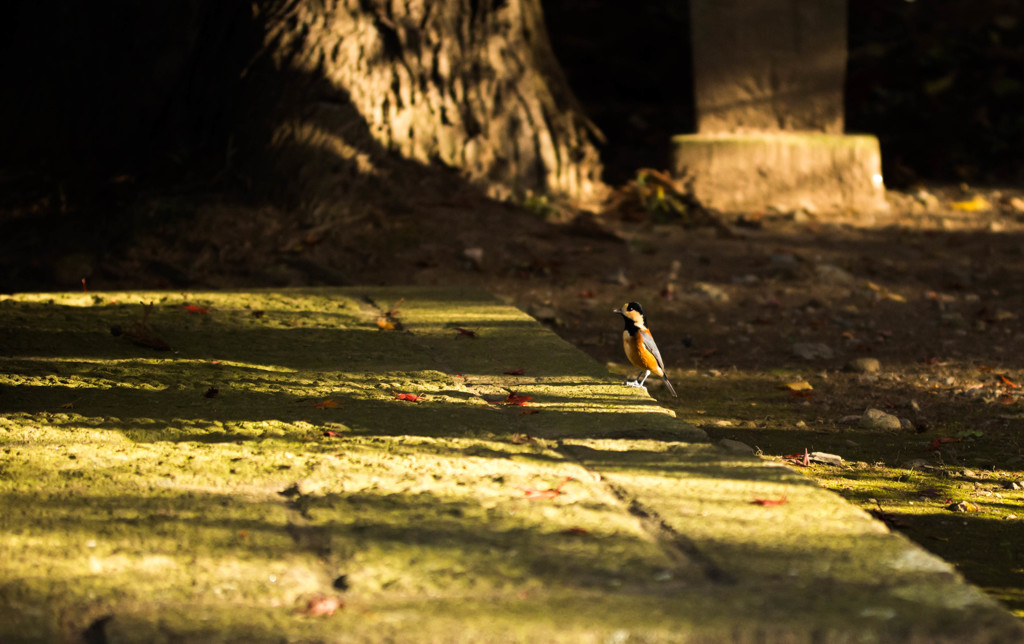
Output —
(641, 383)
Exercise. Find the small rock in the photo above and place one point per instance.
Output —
(832, 274)
(906, 424)
(849, 420)
(475, 257)
(878, 419)
(618, 277)
(1013, 485)
(812, 351)
(863, 365)
(738, 447)
(927, 199)
(963, 506)
(784, 259)
(746, 280)
(969, 474)
(915, 464)
(1017, 204)
(1009, 516)
(712, 292)
(826, 458)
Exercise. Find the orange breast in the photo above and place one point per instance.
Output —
(638, 354)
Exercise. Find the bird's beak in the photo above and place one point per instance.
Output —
(619, 311)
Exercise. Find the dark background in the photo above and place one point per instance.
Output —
(172, 89)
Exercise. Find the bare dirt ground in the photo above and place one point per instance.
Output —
(768, 324)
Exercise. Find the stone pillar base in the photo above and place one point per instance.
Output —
(785, 171)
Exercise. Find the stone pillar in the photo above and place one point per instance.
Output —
(768, 82)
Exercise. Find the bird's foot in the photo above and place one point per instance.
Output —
(634, 383)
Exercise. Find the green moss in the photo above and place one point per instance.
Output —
(208, 492)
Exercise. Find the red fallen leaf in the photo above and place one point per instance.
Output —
(330, 433)
(803, 460)
(938, 442)
(515, 372)
(465, 332)
(192, 308)
(323, 606)
(393, 313)
(1009, 383)
(930, 360)
(214, 361)
(513, 399)
(983, 368)
(576, 532)
(586, 293)
(410, 397)
(534, 494)
(803, 394)
(1006, 400)
(767, 503)
(326, 404)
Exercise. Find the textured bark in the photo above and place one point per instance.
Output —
(467, 84)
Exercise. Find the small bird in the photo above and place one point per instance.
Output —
(640, 347)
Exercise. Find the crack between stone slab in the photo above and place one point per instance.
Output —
(682, 552)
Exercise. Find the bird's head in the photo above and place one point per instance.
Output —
(634, 313)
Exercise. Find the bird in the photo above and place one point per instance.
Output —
(640, 346)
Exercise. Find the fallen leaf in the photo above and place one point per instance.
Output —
(963, 506)
(465, 332)
(385, 324)
(410, 397)
(801, 385)
(522, 439)
(1009, 383)
(393, 311)
(192, 308)
(576, 532)
(974, 205)
(68, 406)
(515, 372)
(327, 404)
(803, 460)
(767, 503)
(983, 368)
(330, 433)
(534, 494)
(323, 606)
(938, 442)
(513, 399)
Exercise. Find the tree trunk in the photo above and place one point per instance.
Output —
(466, 84)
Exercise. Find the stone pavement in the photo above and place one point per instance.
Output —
(408, 465)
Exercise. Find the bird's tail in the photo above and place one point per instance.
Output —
(670, 387)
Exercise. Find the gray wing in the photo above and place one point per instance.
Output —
(652, 347)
